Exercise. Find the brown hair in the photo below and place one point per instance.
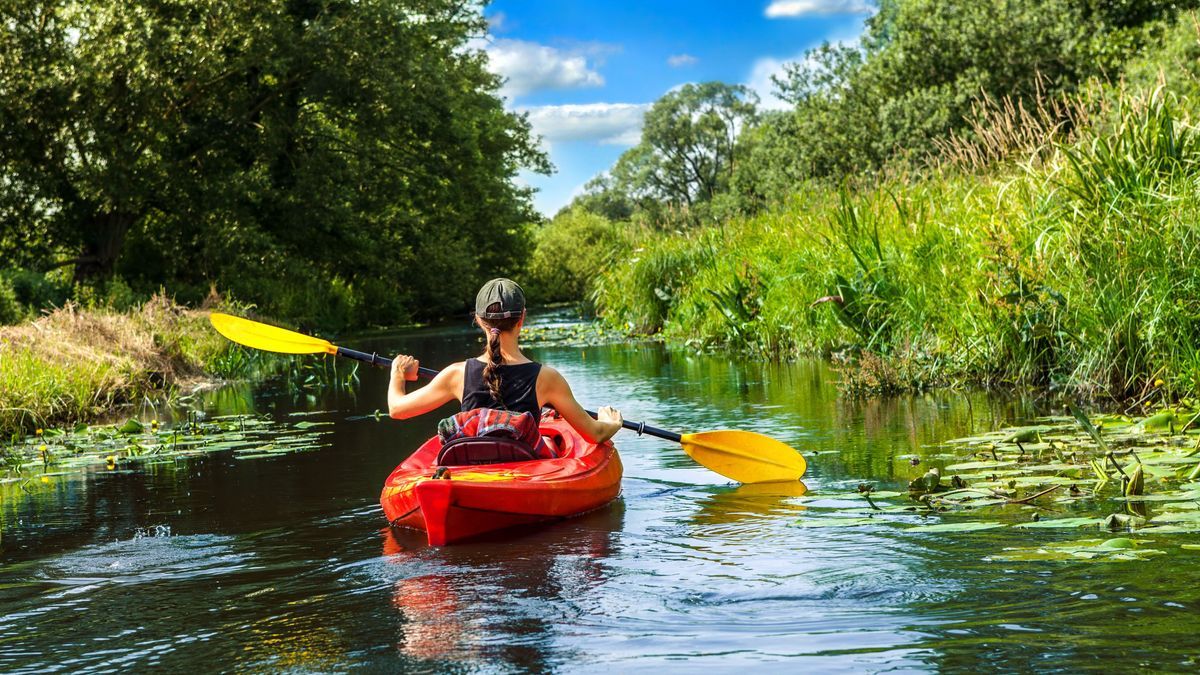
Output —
(493, 328)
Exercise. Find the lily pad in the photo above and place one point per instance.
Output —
(1167, 420)
(1169, 529)
(308, 425)
(969, 526)
(983, 464)
(1029, 435)
(1119, 549)
(245, 436)
(1061, 523)
(1191, 517)
(969, 501)
(838, 522)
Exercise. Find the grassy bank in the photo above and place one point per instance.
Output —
(1031, 257)
(78, 365)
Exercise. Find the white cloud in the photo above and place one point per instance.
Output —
(797, 8)
(528, 67)
(680, 60)
(760, 81)
(605, 123)
(498, 22)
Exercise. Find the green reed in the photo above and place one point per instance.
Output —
(1074, 270)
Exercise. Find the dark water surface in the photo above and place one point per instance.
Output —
(284, 564)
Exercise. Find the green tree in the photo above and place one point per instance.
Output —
(280, 148)
(602, 196)
(922, 63)
(687, 154)
(572, 251)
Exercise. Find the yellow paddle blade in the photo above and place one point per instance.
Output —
(268, 338)
(745, 456)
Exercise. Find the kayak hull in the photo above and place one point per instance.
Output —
(470, 501)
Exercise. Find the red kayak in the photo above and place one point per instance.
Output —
(452, 496)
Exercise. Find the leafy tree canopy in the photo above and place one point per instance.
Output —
(332, 160)
(687, 155)
(922, 64)
(913, 78)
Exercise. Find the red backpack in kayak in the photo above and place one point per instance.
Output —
(489, 436)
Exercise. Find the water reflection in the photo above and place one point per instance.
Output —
(503, 599)
(279, 564)
(735, 504)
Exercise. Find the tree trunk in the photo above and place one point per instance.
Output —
(102, 245)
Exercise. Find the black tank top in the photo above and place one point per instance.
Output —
(518, 387)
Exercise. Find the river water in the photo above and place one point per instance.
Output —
(285, 564)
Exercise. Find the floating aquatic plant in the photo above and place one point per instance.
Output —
(1106, 473)
(1116, 549)
(60, 451)
(570, 334)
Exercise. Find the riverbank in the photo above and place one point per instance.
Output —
(1064, 263)
(77, 365)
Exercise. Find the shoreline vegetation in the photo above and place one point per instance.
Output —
(252, 146)
(83, 364)
(1044, 236)
(1072, 269)
(78, 365)
(973, 193)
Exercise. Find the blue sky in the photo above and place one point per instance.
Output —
(585, 72)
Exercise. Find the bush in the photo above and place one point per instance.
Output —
(11, 310)
(305, 299)
(572, 250)
(1174, 63)
(37, 291)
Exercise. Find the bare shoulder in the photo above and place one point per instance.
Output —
(551, 385)
(452, 375)
(549, 375)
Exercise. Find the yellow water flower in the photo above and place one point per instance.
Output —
(1159, 382)
(45, 479)
(39, 431)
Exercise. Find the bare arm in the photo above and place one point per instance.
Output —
(439, 391)
(554, 391)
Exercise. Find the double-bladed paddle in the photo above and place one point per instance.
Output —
(743, 456)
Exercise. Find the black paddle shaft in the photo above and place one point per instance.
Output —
(641, 428)
(376, 360)
(384, 362)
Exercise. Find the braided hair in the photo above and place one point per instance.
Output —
(493, 328)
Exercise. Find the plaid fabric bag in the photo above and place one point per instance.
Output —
(498, 423)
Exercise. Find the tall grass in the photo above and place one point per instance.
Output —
(76, 365)
(1073, 271)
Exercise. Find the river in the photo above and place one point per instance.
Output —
(285, 563)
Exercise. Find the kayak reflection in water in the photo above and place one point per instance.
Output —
(502, 378)
(441, 606)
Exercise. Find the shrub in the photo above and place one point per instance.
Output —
(37, 291)
(572, 250)
(11, 310)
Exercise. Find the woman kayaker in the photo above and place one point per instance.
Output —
(502, 378)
